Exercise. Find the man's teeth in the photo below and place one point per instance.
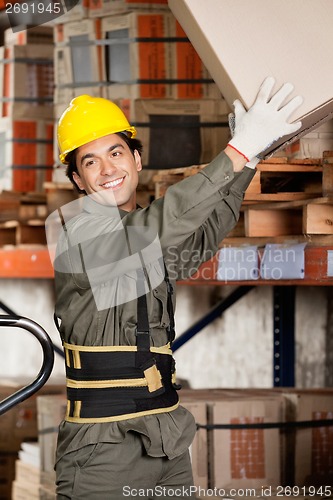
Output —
(113, 183)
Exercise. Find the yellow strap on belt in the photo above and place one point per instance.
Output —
(174, 378)
(104, 384)
(154, 378)
(77, 409)
(96, 420)
(165, 349)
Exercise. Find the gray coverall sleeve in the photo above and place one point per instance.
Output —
(188, 204)
(185, 259)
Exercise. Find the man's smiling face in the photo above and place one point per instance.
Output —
(108, 170)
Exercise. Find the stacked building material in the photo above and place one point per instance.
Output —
(137, 55)
(26, 122)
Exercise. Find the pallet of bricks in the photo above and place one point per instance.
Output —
(287, 197)
(256, 441)
(18, 425)
(136, 54)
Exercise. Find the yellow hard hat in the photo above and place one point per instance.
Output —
(88, 118)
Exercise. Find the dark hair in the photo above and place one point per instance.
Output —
(133, 144)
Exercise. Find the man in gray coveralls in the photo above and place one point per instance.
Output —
(125, 434)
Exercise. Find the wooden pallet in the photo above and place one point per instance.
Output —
(285, 197)
(59, 194)
(311, 216)
(166, 178)
(22, 218)
(23, 215)
(309, 211)
(277, 179)
(16, 232)
(19, 206)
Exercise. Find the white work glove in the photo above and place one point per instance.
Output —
(266, 121)
(232, 123)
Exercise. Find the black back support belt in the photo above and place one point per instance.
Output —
(111, 383)
(106, 394)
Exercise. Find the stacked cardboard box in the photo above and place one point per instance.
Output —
(240, 458)
(312, 448)
(152, 48)
(213, 33)
(136, 54)
(23, 215)
(72, 13)
(102, 8)
(26, 122)
(199, 447)
(79, 66)
(236, 458)
(26, 156)
(245, 458)
(26, 71)
(28, 483)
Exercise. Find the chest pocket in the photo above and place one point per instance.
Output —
(157, 307)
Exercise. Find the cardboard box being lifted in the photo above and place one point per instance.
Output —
(241, 43)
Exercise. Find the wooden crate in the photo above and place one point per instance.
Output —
(9, 206)
(59, 194)
(166, 178)
(22, 219)
(318, 219)
(311, 217)
(328, 173)
(30, 232)
(272, 222)
(287, 180)
(8, 233)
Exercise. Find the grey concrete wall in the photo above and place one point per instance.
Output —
(237, 349)
(311, 325)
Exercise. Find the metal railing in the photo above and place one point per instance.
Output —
(48, 360)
